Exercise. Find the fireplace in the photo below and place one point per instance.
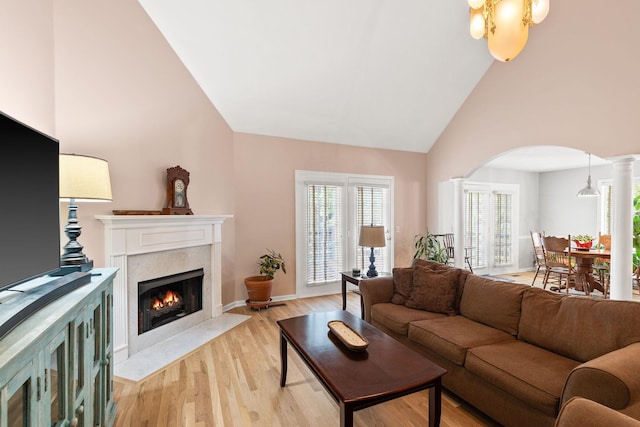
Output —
(165, 299)
(144, 247)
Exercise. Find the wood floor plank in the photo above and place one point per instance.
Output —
(234, 380)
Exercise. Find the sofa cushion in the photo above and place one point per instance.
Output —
(433, 290)
(493, 303)
(444, 267)
(530, 373)
(452, 336)
(397, 317)
(402, 284)
(581, 328)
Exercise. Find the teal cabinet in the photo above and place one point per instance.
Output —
(56, 367)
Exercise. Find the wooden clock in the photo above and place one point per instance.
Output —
(177, 183)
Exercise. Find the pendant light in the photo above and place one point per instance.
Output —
(588, 191)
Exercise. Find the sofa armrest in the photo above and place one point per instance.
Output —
(587, 413)
(611, 379)
(375, 291)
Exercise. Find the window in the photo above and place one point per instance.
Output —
(371, 207)
(489, 229)
(330, 208)
(324, 254)
(475, 233)
(502, 242)
(605, 203)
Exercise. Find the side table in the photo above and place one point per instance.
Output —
(348, 277)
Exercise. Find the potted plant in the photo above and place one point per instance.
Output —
(583, 241)
(259, 287)
(429, 247)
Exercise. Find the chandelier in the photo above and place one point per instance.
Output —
(505, 24)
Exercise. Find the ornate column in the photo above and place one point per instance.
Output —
(621, 229)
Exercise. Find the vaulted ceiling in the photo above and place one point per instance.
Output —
(373, 73)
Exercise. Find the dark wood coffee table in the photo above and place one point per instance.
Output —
(384, 371)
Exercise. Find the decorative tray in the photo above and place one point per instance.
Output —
(350, 338)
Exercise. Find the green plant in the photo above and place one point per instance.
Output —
(429, 247)
(636, 232)
(270, 263)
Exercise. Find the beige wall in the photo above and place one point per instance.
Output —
(575, 84)
(265, 183)
(26, 62)
(122, 94)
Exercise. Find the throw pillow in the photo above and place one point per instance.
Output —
(402, 283)
(434, 291)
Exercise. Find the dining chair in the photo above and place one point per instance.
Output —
(447, 239)
(601, 265)
(560, 264)
(538, 250)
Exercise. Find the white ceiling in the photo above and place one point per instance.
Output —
(374, 73)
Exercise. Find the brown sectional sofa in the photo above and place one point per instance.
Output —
(515, 352)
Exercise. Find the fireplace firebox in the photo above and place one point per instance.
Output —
(169, 298)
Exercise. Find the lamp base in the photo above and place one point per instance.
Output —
(372, 267)
(72, 268)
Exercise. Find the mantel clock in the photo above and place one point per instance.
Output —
(177, 183)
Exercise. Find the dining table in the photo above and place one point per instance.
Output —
(584, 265)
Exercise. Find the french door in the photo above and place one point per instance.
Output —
(490, 227)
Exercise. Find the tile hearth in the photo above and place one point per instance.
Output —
(148, 361)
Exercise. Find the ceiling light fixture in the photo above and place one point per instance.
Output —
(505, 24)
(588, 191)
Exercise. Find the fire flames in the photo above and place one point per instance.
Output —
(170, 298)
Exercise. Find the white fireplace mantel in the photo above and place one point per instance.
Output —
(130, 235)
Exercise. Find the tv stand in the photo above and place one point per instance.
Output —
(56, 363)
(24, 304)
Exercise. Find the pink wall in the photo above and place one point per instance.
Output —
(26, 62)
(122, 94)
(265, 199)
(575, 84)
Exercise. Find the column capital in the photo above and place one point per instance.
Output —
(626, 159)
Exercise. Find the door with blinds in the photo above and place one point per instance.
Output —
(330, 208)
(490, 227)
(371, 203)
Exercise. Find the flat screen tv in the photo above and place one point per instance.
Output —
(29, 222)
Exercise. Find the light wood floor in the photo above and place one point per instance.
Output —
(234, 381)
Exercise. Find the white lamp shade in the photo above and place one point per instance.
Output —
(372, 236)
(511, 33)
(476, 23)
(84, 178)
(539, 10)
(476, 4)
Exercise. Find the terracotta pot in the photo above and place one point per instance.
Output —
(258, 290)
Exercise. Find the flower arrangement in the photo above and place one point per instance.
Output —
(583, 241)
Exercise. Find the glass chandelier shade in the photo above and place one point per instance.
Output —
(505, 24)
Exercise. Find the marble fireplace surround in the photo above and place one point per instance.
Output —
(145, 247)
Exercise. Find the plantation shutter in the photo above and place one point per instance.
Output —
(371, 208)
(475, 217)
(324, 225)
(502, 229)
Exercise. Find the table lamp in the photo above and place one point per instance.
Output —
(372, 236)
(82, 179)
